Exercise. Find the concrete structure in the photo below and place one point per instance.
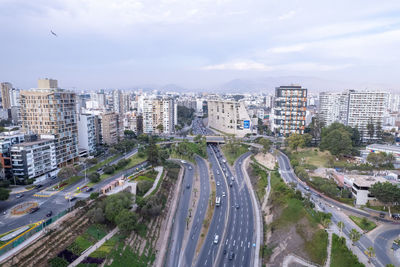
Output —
(34, 160)
(50, 112)
(87, 133)
(6, 142)
(354, 108)
(229, 116)
(159, 115)
(360, 185)
(6, 89)
(389, 149)
(289, 112)
(109, 131)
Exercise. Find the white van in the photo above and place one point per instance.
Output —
(216, 238)
(217, 201)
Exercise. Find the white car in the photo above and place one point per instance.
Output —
(183, 162)
(223, 194)
(218, 184)
(216, 238)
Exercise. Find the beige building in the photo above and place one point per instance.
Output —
(50, 112)
(229, 116)
(109, 125)
(6, 89)
(159, 115)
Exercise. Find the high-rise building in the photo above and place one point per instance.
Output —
(87, 133)
(34, 160)
(118, 102)
(289, 113)
(6, 142)
(109, 131)
(354, 108)
(50, 112)
(229, 116)
(6, 89)
(159, 115)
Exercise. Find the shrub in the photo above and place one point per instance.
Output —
(109, 169)
(143, 187)
(58, 262)
(94, 195)
(94, 177)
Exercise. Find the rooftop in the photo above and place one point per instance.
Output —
(25, 144)
(365, 180)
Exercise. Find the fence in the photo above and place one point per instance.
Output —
(37, 227)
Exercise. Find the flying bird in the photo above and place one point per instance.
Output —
(53, 33)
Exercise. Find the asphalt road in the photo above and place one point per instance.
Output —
(179, 225)
(198, 217)
(240, 230)
(209, 249)
(56, 203)
(380, 245)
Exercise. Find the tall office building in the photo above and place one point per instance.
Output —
(354, 108)
(289, 113)
(6, 89)
(87, 133)
(50, 112)
(109, 132)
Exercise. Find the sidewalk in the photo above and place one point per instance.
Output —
(160, 171)
(94, 247)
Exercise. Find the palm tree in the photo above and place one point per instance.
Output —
(195, 191)
(370, 252)
(340, 224)
(354, 236)
(326, 222)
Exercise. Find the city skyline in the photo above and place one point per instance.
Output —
(201, 46)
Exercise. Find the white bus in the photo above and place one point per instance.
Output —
(217, 201)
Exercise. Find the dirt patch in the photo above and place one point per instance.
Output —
(266, 159)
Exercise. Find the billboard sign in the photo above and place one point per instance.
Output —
(246, 124)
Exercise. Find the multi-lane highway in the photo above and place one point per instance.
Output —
(199, 216)
(175, 250)
(380, 245)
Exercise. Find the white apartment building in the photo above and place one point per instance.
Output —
(360, 185)
(34, 160)
(159, 112)
(87, 133)
(354, 108)
(229, 116)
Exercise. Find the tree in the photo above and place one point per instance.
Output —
(295, 141)
(109, 169)
(387, 193)
(354, 236)
(338, 142)
(94, 177)
(67, 172)
(370, 252)
(126, 221)
(129, 134)
(143, 187)
(160, 128)
(152, 153)
(92, 161)
(4, 193)
(114, 204)
(163, 155)
(315, 128)
(370, 129)
(112, 151)
(340, 224)
(378, 130)
(96, 215)
(266, 143)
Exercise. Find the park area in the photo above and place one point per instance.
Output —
(363, 223)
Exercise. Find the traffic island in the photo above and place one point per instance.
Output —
(24, 208)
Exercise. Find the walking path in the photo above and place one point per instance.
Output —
(291, 258)
(329, 249)
(94, 247)
(160, 171)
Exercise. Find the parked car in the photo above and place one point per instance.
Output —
(38, 186)
(89, 189)
(49, 214)
(19, 195)
(396, 216)
(382, 215)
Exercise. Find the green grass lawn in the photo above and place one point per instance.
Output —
(134, 160)
(69, 181)
(316, 247)
(102, 163)
(341, 255)
(232, 156)
(262, 182)
(312, 156)
(106, 248)
(363, 223)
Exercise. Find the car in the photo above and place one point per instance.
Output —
(307, 188)
(89, 189)
(218, 172)
(19, 195)
(49, 214)
(183, 162)
(32, 210)
(218, 184)
(224, 160)
(223, 194)
(38, 186)
(224, 169)
(230, 184)
(233, 178)
(190, 167)
(224, 251)
(70, 198)
(188, 186)
(382, 215)
(99, 169)
(396, 216)
(231, 255)
(216, 238)
(237, 206)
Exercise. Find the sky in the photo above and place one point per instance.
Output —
(198, 44)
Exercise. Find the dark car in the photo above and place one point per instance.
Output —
(396, 216)
(38, 186)
(230, 184)
(224, 251)
(49, 214)
(89, 189)
(231, 255)
(71, 198)
(237, 206)
(19, 195)
(382, 215)
(34, 209)
(188, 186)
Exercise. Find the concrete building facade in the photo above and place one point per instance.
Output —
(289, 112)
(87, 133)
(50, 112)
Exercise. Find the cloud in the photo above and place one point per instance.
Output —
(239, 65)
(287, 49)
(287, 15)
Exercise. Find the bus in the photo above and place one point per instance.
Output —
(217, 201)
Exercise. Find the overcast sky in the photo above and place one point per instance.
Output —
(197, 44)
